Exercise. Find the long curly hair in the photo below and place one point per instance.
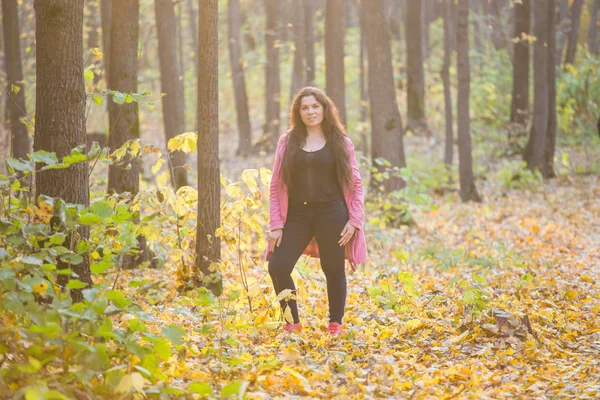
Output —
(334, 132)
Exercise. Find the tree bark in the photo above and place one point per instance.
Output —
(520, 91)
(494, 17)
(208, 249)
(15, 101)
(593, 29)
(535, 148)
(415, 89)
(123, 119)
(445, 73)
(386, 122)
(574, 32)
(468, 191)
(239, 82)
(299, 68)
(548, 168)
(272, 80)
(178, 10)
(335, 28)
(60, 91)
(106, 11)
(173, 102)
(308, 6)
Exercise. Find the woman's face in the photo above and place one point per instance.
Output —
(311, 111)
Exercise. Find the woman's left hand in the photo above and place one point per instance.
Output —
(347, 233)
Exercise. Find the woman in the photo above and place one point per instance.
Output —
(316, 193)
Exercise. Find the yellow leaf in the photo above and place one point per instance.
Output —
(287, 315)
(249, 177)
(138, 381)
(96, 51)
(413, 324)
(265, 176)
(40, 288)
(125, 385)
(156, 167)
(186, 142)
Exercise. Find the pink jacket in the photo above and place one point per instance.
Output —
(356, 248)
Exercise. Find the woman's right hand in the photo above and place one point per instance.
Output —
(275, 239)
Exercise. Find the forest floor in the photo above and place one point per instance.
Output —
(486, 300)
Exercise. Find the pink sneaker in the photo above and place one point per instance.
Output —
(292, 327)
(334, 329)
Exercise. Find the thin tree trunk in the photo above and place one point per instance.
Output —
(494, 17)
(364, 98)
(123, 118)
(593, 29)
(535, 149)
(335, 28)
(93, 24)
(60, 91)
(299, 68)
(468, 191)
(548, 168)
(273, 83)
(178, 9)
(386, 122)
(520, 91)
(208, 249)
(173, 102)
(237, 74)
(445, 73)
(16, 109)
(415, 90)
(106, 11)
(310, 41)
(563, 28)
(574, 32)
(194, 33)
(477, 31)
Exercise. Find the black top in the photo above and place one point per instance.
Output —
(314, 176)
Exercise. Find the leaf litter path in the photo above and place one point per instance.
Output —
(528, 261)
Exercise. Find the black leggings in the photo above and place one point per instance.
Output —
(325, 221)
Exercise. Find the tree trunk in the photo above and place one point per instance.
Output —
(298, 69)
(93, 24)
(386, 122)
(106, 11)
(335, 27)
(310, 41)
(272, 80)
(123, 119)
(494, 17)
(239, 83)
(194, 33)
(364, 98)
(178, 10)
(445, 73)
(477, 30)
(535, 148)
(593, 30)
(173, 103)
(60, 91)
(15, 101)
(563, 28)
(415, 90)
(208, 249)
(520, 91)
(468, 191)
(574, 32)
(548, 168)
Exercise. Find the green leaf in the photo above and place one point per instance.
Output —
(162, 349)
(100, 267)
(76, 284)
(29, 260)
(19, 165)
(231, 389)
(43, 156)
(98, 99)
(102, 209)
(118, 97)
(201, 388)
(88, 75)
(89, 219)
(118, 298)
(73, 259)
(4, 180)
(57, 238)
(174, 333)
